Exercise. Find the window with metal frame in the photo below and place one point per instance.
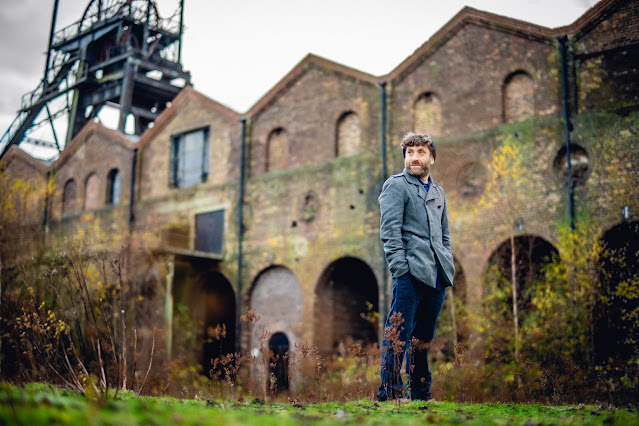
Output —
(190, 158)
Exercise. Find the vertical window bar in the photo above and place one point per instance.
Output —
(205, 154)
(174, 159)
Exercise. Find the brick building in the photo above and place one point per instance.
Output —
(307, 162)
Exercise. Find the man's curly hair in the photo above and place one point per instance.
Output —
(418, 139)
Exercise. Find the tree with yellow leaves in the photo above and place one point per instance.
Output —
(506, 198)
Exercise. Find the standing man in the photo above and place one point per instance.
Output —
(415, 232)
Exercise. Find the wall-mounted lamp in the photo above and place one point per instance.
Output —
(518, 226)
(626, 214)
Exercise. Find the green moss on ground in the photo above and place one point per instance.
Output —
(44, 404)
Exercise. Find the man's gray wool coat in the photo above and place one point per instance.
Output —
(415, 231)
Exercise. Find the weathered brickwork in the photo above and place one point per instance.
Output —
(607, 59)
(307, 107)
(18, 164)
(165, 214)
(313, 169)
(468, 72)
(22, 228)
(88, 160)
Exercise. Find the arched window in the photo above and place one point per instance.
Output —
(427, 114)
(348, 135)
(114, 187)
(91, 192)
(519, 90)
(68, 197)
(277, 150)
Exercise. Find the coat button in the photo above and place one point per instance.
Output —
(439, 207)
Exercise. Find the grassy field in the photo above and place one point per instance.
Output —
(42, 404)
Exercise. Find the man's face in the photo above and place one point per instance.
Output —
(418, 161)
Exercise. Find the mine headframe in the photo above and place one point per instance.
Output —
(121, 54)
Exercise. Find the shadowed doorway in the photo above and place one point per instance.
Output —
(279, 347)
(346, 305)
(616, 329)
(218, 299)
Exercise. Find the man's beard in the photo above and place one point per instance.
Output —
(420, 172)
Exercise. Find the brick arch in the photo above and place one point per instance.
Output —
(532, 253)
(92, 199)
(69, 196)
(277, 150)
(276, 296)
(427, 114)
(218, 313)
(348, 134)
(518, 96)
(346, 291)
(210, 298)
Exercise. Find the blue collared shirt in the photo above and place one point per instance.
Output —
(426, 186)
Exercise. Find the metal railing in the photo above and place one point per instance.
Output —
(137, 14)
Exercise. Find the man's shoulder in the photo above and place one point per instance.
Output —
(394, 184)
(394, 180)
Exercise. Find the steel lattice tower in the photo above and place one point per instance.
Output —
(121, 53)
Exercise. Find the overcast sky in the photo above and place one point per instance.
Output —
(238, 50)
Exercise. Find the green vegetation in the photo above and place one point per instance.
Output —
(45, 404)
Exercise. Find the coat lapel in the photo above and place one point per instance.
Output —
(432, 192)
(421, 192)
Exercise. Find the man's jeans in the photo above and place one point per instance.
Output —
(419, 306)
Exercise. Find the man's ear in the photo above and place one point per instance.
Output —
(404, 152)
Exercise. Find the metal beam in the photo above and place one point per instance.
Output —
(141, 112)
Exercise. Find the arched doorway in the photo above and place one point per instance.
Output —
(204, 313)
(279, 347)
(615, 331)
(276, 298)
(218, 301)
(346, 301)
(532, 253)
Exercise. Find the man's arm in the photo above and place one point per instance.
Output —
(391, 205)
(445, 228)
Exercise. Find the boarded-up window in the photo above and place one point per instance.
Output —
(190, 158)
(114, 187)
(91, 192)
(348, 135)
(209, 231)
(69, 197)
(519, 93)
(427, 114)
(277, 150)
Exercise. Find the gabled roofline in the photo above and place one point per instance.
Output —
(298, 71)
(15, 152)
(188, 93)
(465, 16)
(92, 127)
(588, 20)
